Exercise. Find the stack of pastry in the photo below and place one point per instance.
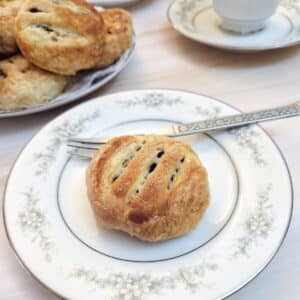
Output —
(56, 39)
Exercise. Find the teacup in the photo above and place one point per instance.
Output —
(244, 16)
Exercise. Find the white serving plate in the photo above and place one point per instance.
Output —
(81, 85)
(114, 3)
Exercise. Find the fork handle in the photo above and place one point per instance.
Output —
(237, 120)
(282, 112)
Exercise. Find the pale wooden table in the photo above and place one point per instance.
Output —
(163, 58)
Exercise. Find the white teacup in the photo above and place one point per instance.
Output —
(244, 16)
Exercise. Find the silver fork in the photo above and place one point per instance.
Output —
(86, 147)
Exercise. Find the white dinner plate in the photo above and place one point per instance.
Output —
(82, 84)
(197, 20)
(53, 231)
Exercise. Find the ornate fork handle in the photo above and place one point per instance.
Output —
(85, 148)
(238, 120)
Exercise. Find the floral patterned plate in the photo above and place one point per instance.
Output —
(197, 20)
(53, 231)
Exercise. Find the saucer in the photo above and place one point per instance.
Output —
(197, 20)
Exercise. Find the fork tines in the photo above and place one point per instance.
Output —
(98, 141)
(84, 148)
(81, 153)
(83, 145)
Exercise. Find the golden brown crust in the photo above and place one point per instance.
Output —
(153, 187)
(61, 36)
(22, 84)
(118, 35)
(8, 12)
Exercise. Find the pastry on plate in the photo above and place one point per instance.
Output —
(118, 35)
(8, 12)
(23, 84)
(60, 36)
(152, 187)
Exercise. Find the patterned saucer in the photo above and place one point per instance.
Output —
(197, 20)
(53, 231)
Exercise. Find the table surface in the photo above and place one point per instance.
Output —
(165, 59)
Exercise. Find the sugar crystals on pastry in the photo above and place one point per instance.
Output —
(118, 35)
(8, 13)
(152, 187)
(60, 36)
(22, 84)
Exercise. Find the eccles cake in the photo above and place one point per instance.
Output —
(152, 187)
